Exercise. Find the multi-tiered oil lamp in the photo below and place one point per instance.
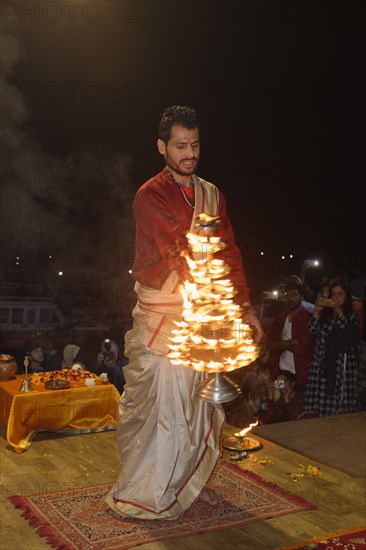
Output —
(211, 337)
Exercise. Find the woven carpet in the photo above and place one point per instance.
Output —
(352, 539)
(78, 518)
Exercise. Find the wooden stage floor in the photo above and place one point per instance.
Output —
(336, 441)
(57, 461)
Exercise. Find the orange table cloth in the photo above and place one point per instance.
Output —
(79, 408)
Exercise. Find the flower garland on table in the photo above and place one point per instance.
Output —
(65, 374)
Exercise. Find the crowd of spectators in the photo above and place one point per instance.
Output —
(44, 356)
(312, 361)
(313, 355)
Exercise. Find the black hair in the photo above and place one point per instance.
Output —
(336, 274)
(177, 114)
(290, 376)
(294, 285)
(323, 286)
(264, 368)
(30, 345)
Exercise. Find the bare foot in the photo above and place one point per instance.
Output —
(208, 496)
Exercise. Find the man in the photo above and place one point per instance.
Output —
(169, 438)
(108, 363)
(307, 293)
(290, 343)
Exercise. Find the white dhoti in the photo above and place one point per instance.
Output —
(168, 438)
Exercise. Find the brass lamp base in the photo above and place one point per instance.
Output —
(26, 386)
(218, 388)
(241, 444)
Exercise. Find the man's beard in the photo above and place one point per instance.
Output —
(176, 167)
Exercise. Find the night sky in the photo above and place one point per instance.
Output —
(279, 90)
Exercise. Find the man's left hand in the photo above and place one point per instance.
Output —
(251, 318)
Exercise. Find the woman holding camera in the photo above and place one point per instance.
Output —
(290, 404)
(333, 377)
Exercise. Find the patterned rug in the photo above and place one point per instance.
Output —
(78, 518)
(352, 539)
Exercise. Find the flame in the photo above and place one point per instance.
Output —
(246, 430)
(211, 335)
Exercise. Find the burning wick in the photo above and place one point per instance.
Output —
(240, 442)
(241, 435)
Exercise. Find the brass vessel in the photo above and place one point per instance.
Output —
(8, 367)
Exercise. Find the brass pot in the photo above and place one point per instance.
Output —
(8, 367)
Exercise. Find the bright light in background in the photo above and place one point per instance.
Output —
(283, 257)
(275, 293)
(130, 270)
(60, 273)
(262, 253)
(311, 263)
(291, 256)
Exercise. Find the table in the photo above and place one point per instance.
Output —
(79, 409)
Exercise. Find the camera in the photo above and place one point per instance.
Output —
(325, 302)
(279, 384)
(108, 354)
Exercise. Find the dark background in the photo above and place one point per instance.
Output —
(279, 89)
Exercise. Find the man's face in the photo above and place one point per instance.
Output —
(293, 299)
(36, 355)
(182, 151)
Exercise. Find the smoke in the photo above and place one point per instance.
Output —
(48, 202)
